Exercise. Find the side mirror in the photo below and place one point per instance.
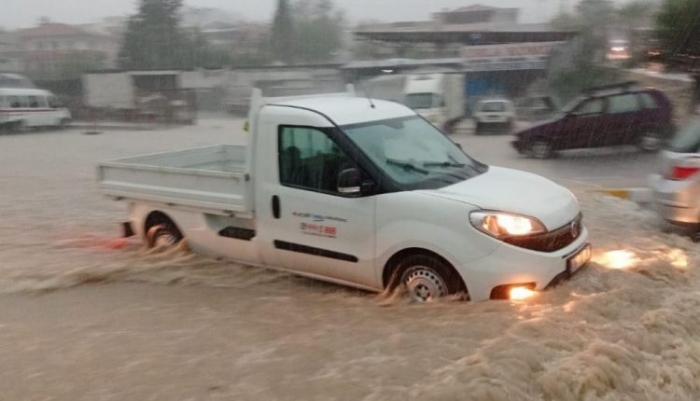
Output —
(350, 182)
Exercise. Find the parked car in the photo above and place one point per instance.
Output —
(677, 186)
(494, 112)
(622, 114)
(360, 193)
(24, 108)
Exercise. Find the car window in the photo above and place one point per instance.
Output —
(687, 139)
(14, 102)
(623, 104)
(589, 107)
(33, 102)
(309, 159)
(648, 101)
(493, 107)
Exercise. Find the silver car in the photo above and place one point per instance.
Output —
(677, 187)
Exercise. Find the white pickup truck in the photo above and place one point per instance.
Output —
(366, 194)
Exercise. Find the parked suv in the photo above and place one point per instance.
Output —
(622, 114)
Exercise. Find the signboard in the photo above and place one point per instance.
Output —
(520, 56)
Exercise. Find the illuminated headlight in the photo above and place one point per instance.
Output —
(503, 225)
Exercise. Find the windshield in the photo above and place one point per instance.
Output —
(418, 101)
(687, 139)
(413, 153)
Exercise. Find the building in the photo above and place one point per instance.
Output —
(53, 51)
(498, 55)
(9, 59)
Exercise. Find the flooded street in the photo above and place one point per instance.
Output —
(87, 316)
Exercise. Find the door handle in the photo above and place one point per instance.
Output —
(276, 209)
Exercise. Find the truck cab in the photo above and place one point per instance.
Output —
(361, 193)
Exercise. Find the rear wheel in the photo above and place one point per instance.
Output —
(19, 127)
(650, 140)
(426, 278)
(541, 149)
(164, 235)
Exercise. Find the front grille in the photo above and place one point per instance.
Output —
(553, 240)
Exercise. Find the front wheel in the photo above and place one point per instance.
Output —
(163, 236)
(541, 149)
(425, 278)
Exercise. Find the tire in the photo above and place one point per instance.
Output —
(63, 124)
(19, 127)
(650, 141)
(164, 235)
(540, 149)
(425, 278)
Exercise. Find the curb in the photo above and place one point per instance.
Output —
(639, 195)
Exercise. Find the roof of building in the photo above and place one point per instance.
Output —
(350, 110)
(54, 29)
(477, 7)
(482, 33)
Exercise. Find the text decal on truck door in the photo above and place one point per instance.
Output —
(319, 230)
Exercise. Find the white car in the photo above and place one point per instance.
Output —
(362, 194)
(492, 112)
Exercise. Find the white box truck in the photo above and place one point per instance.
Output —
(366, 194)
(438, 97)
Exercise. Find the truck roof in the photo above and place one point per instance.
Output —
(350, 110)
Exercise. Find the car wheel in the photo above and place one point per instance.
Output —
(426, 278)
(19, 127)
(541, 149)
(650, 141)
(164, 236)
(64, 123)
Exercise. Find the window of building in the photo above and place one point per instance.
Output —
(309, 159)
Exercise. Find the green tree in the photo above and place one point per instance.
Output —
(153, 37)
(319, 30)
(282, 37)
(678, 28)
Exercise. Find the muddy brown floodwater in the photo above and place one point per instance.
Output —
(85, 316)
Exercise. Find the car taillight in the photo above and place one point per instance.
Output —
(683, 172)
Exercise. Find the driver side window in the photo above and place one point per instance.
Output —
(309, 159)
(590, 107)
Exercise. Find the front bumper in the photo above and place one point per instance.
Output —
(510, 265)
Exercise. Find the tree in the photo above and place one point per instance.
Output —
(678, 28)
(282, 39)
(319, 30)
(153, 37)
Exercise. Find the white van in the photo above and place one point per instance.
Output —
(23, 108)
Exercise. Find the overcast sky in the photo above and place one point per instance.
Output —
(26, 13)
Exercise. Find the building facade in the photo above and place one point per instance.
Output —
(53, 51)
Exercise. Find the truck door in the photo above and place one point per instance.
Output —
(314, 228)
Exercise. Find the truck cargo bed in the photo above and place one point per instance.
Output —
(214, 179)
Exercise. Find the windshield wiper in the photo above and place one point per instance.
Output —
(444, 164)
(407, 165)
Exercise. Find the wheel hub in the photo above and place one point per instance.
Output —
(423, 284)
(166, 240)
(650, 141)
